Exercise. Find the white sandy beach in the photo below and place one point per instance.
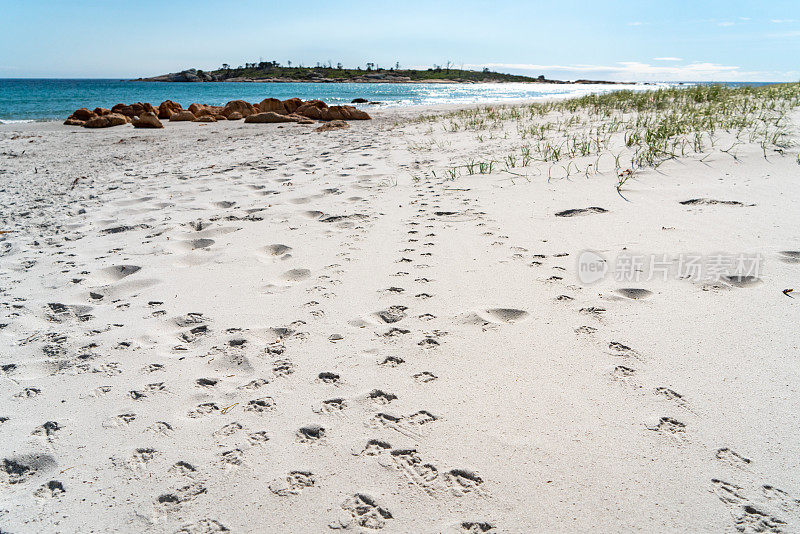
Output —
(262, 328)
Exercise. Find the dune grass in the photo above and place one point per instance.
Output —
(625, 129)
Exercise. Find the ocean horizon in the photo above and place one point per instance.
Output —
(44, 99)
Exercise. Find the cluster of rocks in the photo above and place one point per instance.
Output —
(269, 110)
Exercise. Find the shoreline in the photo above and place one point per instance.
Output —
(414, 107)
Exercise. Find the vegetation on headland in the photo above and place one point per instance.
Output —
(621, 131)
(267, 71)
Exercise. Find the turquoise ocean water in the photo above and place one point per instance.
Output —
(54, 99)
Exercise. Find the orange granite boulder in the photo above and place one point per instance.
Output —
(182, 115)
(167, 108)
(292, 104)
(238, 106)
(148, 119)
(106, 121)
(269, 116)
(272, 104)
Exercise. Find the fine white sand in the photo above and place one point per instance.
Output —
(262, 328)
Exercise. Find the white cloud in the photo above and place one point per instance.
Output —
(667, 59)
(725, 24)
(635, 23)
(782, 21)
(637, 71)
(784, 35)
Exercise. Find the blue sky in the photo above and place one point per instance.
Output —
(638, 40)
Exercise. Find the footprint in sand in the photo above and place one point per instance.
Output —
(365, 513)
(295, 275)
(196, 244)
(288, 279)
(275, 252)
(790, 256)
(581, 211)
(114, 273)
(711, 202)
(732, 457)
(496, 316)
(392, 314)
(741, 280)
(634, 293)
(472, 527)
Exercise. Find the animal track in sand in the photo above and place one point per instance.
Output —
(581, 211)
(204, 526)
(472, 527)
(19, 469)
(424, 377)
(232, 458)
(392, 361)
(328, 378)
(310, 433)
(591, 310)
(668, 425)
(292, 484)
(622, 373)
(331, 406)
(457, 482)
(746, 516)
(380, 397)
(172, 501)
(406, 425)
(672, 395)
(50, 490)
(262, 405)
(711, 202)
(732, 458)
(365, 513)
(622, 350)
(634, 293)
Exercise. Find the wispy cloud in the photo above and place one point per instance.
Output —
(667, 59)
(784, 35)
(633, 70)
(782, 21)
(726, 23)
(636, 23)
